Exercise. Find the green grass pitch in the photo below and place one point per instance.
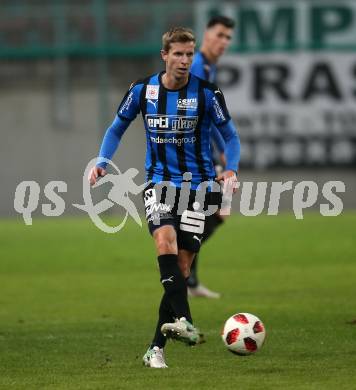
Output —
(78, 307)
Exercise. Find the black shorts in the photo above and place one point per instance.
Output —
(187, 214)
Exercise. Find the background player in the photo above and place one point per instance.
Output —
(165, 99)
(216, 40)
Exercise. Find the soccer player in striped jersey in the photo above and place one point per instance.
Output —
(177, 110)
(217, 38)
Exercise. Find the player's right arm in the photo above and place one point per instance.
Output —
(108, 147)
(126, 113)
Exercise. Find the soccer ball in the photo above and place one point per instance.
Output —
(243, 334)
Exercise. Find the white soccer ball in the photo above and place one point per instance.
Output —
(243, 334)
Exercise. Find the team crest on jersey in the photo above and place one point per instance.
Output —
(187, 104)
(152, 92)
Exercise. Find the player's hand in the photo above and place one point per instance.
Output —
(229, 179)
(94, 173)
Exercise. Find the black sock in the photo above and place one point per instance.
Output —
(211, 224)
(165, 314)
(174, 285)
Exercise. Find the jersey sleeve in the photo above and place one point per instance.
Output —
(217, 139)
(130, 105)
(111, 140)
(216, 106)
(232, 145)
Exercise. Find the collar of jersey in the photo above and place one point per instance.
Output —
(172, 90)
(205, 60)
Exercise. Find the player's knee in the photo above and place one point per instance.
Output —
(166, 242)
(165, 246)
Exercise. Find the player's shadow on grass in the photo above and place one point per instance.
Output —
(353, 322)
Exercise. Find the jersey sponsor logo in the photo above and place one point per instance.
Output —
(158, 123)
(157, 208)
(127, 103)
(187, 104)
(152, 92)
(218, 110)
(173, 140)
(150, 197)
(192, 222)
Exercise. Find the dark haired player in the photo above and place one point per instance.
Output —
(216, 40)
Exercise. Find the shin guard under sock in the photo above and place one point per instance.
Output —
(165, 314)
(174, 285)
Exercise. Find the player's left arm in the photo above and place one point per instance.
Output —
(222, 120)
(232, 145)
(219, 143)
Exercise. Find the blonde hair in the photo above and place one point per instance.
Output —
(177, 34)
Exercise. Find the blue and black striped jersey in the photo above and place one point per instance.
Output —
(202, 68)
(177, 124)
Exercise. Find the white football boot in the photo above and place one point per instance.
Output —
(202, 292)
(182, 330)
(154, 358)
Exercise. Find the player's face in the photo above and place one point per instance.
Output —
(218, 39)
(179, 59)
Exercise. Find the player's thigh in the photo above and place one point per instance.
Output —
(161, 220)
